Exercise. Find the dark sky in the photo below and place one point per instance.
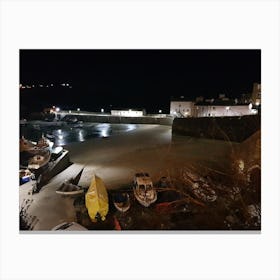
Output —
(135, 78)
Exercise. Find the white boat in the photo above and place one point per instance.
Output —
(144, 190)
(72, 226)
(39, 160)
(121, 202)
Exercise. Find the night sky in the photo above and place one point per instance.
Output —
(133, 78)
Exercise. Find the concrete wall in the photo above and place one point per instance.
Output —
(118, 119)
(235, 129)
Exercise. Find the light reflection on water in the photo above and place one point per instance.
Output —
(66, 134)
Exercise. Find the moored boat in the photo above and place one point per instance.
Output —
(69, 189)
(97, 200)
(121, 202)
(144, 190)
(39, 160)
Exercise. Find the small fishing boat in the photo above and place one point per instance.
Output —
(199, 186)
(26, 145)
(144, 190)
(73, 226)
(39, 160)
(121, 202)
(97, 202)
(25, 175)
(69, 189)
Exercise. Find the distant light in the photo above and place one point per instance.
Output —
(51, 85)
(129, 110)
(57, 109)
(47, 85)
(20, 85)
(102, 110)
(160, 111)
(257, 103)
(70, 86)
(70, 111)
(67, 85)
(78, 109)
(40, 85)
(227, 108)
(33, 85)
(53, 106)
(23, 87)
(63, 85)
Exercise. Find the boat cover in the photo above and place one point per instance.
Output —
(97, 199)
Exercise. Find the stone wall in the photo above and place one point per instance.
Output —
(235, 129)
(118, 119)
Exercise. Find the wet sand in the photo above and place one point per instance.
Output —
(116, 159)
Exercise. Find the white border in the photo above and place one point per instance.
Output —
(153, 24)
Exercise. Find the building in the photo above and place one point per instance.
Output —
(128, 112)
(256, 94)
(182, 108)
(221, 108)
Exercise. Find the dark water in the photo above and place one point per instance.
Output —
(63, 134)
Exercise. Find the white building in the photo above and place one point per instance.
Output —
(128, 113)
(223, 110)
(181, 108)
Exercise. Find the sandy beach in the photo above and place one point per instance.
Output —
(116, 159)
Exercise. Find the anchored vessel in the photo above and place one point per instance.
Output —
(144, 190)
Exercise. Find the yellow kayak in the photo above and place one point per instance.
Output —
(97, 199)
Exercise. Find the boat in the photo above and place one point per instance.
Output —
(144, 190)
(34, 148)
(97, 202)
(73, 226)
(25, 145)
(25, 175)
(50, 136)
(44, 143)
(199, 186)
(39, 160)
(70, 187)
(121, 202)
(57, 152)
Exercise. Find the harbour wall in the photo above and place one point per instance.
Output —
(119, 119)
(235, 129)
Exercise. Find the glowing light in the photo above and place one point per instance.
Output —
(102, 110)
(51, 85)
(257, 103)
(160, 111)
(40, 85)
(57, 109)
(67, 85)
(70, 111)
(227, 108)
(60, 137)
(78, 109)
